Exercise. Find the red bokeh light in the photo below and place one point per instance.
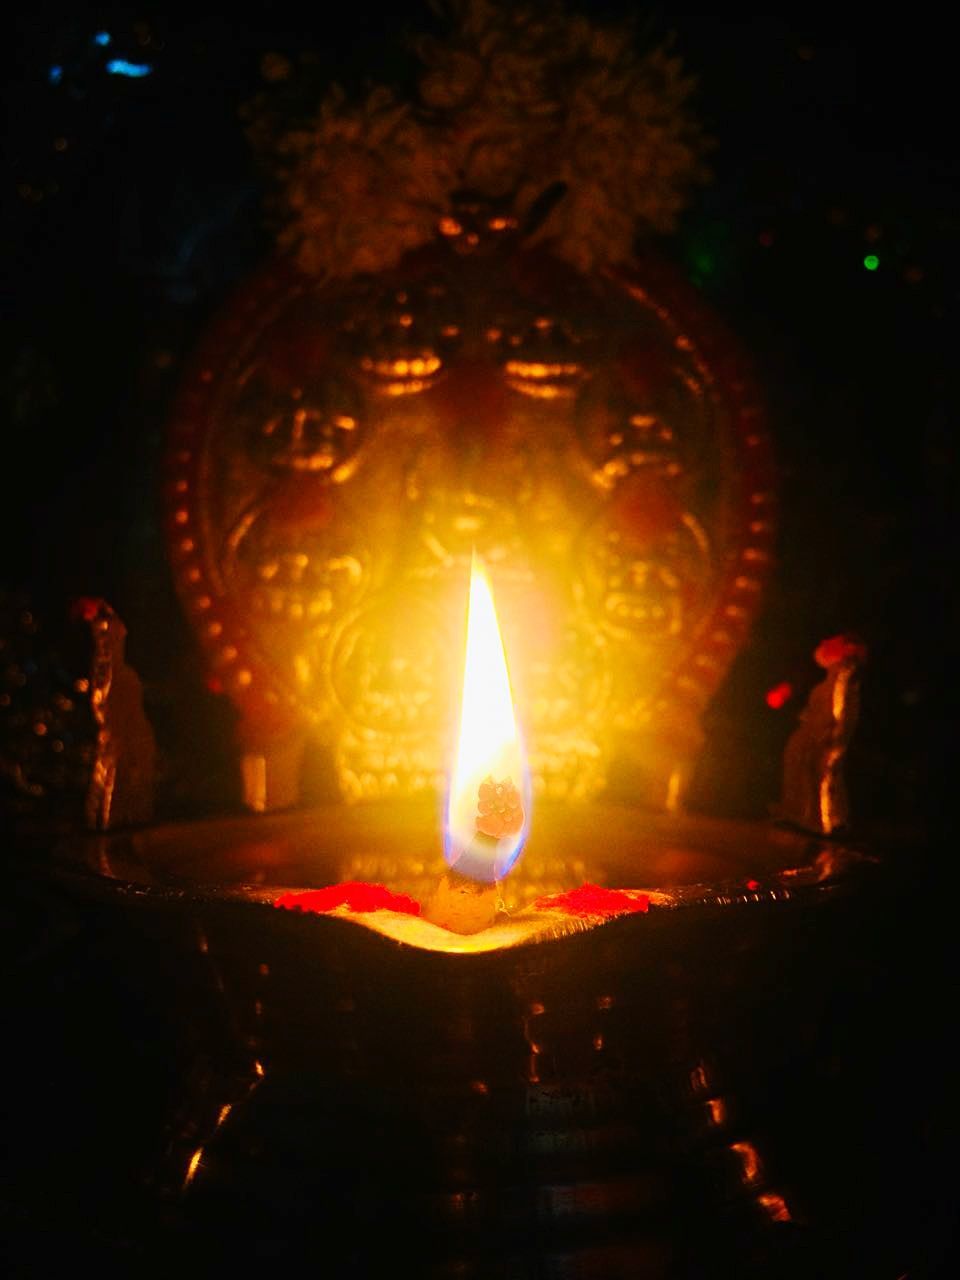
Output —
(779, 695)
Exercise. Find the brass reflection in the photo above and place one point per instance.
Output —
(345, 449)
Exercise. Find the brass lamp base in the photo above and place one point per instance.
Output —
(601, 1104)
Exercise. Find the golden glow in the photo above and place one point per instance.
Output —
(777, 1208)
(539, 390)
(832, 814)
(404, 375)
(192, 1167)
(535, 378)
(699, 1078)
(253, 768)
(717, 1111)
(536, 369)
(673, 791)
(488, 745)
(750, 1158)
(408, 388)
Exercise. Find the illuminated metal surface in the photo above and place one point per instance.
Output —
(627, 1085)
(338, 453)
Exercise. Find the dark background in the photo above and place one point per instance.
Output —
(132, 207)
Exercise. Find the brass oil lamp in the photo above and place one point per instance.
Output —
(486, 372)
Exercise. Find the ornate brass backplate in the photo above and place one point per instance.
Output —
(339, 451)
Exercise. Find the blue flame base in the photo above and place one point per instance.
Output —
(485, 858)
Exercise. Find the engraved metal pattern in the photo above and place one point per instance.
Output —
(338, 453)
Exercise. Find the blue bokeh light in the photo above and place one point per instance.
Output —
(135, 70)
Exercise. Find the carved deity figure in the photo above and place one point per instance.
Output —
(814, 788)
(120, 789)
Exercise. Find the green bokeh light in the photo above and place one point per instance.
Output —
(703, 262)
(871, 262)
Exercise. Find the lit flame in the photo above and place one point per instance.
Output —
(488, 806)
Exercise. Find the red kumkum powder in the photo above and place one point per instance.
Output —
(352, 894)
(592, 900)
(588, 900)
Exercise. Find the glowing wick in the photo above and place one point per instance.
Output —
(499, 809)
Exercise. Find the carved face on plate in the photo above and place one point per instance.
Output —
(343, 450)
